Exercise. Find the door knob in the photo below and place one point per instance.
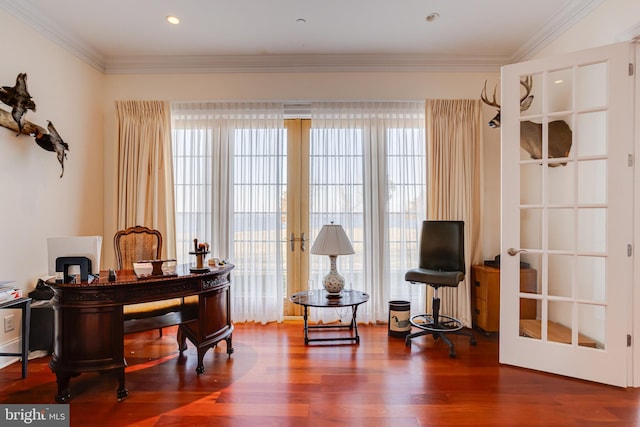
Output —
(514, 251)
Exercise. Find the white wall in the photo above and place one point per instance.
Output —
(34, 202)
(308, 87)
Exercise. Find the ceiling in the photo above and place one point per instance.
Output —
(119, 36)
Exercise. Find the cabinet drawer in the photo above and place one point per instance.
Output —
(479, 288)
(484, 317)
(485, 296)
(485, 282)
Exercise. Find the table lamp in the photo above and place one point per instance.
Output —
(332, 241)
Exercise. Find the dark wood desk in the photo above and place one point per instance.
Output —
(23, 304)
(89, 322)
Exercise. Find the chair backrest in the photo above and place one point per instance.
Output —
(136, 243)
(442, 246)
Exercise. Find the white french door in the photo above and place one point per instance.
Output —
(569, 218)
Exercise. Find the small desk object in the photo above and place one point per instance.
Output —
(23, 304)
(318, 298)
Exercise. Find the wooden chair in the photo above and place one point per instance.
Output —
(142, 243)
(135, 244)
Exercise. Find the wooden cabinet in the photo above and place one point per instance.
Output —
(485, 296)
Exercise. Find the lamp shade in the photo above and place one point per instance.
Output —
(332, 240)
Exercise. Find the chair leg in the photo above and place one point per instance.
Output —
(435, 306)
(466, 333)
(452, 349)
(408, 338)
(438, 328)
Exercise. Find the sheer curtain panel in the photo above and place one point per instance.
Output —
(144, 159)
(368, 174)
(230, 177)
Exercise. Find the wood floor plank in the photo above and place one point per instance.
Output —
(273, 379)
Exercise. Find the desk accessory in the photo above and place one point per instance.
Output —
(200, 250)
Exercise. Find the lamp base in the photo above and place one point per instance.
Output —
(333, 282)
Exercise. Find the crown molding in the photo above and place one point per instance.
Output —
(303, 63)
(630, 35)
(43, 25)
(567, 18)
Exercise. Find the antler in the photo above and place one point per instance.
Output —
(527, 83)
(483, 96)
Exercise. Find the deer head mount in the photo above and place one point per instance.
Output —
(560, 136)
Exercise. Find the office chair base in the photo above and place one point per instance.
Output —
(444, 325)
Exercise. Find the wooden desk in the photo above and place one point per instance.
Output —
(89, 322)
(23, 304)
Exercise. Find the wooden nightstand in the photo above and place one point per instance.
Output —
(485, 296)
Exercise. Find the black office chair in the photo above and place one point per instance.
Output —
(441, 264)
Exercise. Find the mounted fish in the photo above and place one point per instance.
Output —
(52, 142)
(18, 98)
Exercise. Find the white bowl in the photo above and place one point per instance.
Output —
(142, 269)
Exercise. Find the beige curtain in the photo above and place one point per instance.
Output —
(145, 177)
(454, 184)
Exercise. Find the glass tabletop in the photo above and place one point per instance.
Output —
(319, 298)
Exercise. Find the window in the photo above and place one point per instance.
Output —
(366, 171)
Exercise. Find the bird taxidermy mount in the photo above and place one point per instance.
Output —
(19, 99)
(52, 142)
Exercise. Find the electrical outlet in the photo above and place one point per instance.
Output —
(9, 323)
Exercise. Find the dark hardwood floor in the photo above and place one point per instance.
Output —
(273, 379)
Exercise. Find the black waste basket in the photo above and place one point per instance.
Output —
(399, 313)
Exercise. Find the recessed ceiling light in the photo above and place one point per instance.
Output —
(559, 81)
(301, 21)
(432, 17)
(173, 20)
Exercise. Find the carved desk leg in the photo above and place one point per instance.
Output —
(229, 346)
(63, 378)
(200, 367)
(182, 341)
(203, 350)
(122, 390)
